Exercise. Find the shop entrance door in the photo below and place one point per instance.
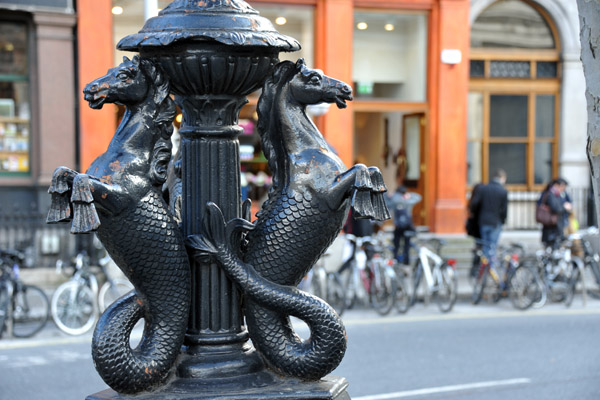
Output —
(413, 142)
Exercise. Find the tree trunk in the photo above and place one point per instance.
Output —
(589, 19)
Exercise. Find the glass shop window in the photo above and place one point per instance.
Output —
(15, 111)
(296, 21)
(390, 56)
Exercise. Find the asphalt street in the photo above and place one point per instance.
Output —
(483, 352)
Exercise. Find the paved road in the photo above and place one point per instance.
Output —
(484, 352)
(549, 354)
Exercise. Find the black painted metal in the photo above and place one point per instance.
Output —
(210, 54)
(120, 197)
(311, 195)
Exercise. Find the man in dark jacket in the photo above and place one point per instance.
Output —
(490, 203)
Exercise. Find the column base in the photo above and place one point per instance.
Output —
(258, 386)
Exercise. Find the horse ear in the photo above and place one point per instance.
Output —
(125, 59)
(136, 60)
(300, 63)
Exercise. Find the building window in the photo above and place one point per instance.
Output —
(513, 96)
(15, 109)
(390, 56)
(296, 21)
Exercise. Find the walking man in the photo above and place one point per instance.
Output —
(489, 203)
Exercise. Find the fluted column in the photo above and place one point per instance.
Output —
(210, 171)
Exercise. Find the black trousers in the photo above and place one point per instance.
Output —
(398, 235)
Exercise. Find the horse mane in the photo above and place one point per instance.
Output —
(267, 126)
(165, 113)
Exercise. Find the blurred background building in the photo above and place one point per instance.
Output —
(446, 91)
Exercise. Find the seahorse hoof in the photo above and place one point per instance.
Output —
(60, 209)
(81, 191)
(382, 213)
(85, 218)
(377, 180)
(362, 180)
(59, 181)
(361, 204)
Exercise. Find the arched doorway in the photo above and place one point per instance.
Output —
(514, 95)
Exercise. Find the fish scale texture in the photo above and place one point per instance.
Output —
(146, 244)
(293, 230)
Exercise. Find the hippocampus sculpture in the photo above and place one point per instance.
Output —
(311, 194)
(120, 198)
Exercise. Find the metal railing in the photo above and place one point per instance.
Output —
(522, 205)
(42, 244)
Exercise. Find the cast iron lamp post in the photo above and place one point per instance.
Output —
(215, 53)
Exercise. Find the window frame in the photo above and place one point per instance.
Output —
(531, 88)
(18, 17)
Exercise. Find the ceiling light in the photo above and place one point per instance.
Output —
(388, 27)
(117, 10)
(280, 20)
(362, 26)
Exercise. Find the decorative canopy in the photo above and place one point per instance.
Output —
(230, 22)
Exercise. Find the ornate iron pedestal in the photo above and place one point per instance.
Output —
(195, 282)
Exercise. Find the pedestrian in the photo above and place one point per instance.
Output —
(558, 204)
(490, 202)
(472, 228)
(567, 203)
(402, 203)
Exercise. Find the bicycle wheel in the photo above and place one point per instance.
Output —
(524, 287)
(480, 283)
(383, 289)
(30, 311)
(572, 285)
(350, 283)
(74, 308)
(3, 305)
(111, 291)
(447, 288)
(335, 293)
(418, 275)
(402, 296)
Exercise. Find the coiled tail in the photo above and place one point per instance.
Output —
(282, 348)
(151, 252)
(128, 370)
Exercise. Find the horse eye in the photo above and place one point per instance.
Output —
(315, 79)
(122, 75)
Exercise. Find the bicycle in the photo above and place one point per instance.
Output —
(24, 309)
(440, 275)
(590, 258)
(324, 279)
(584, 258)
(559, 271)
(370, 278)
(508, 276)
(387, 255)
(76, 304)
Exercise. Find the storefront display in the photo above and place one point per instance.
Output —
(14, 98)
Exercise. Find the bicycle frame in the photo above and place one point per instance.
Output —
(425, 255)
